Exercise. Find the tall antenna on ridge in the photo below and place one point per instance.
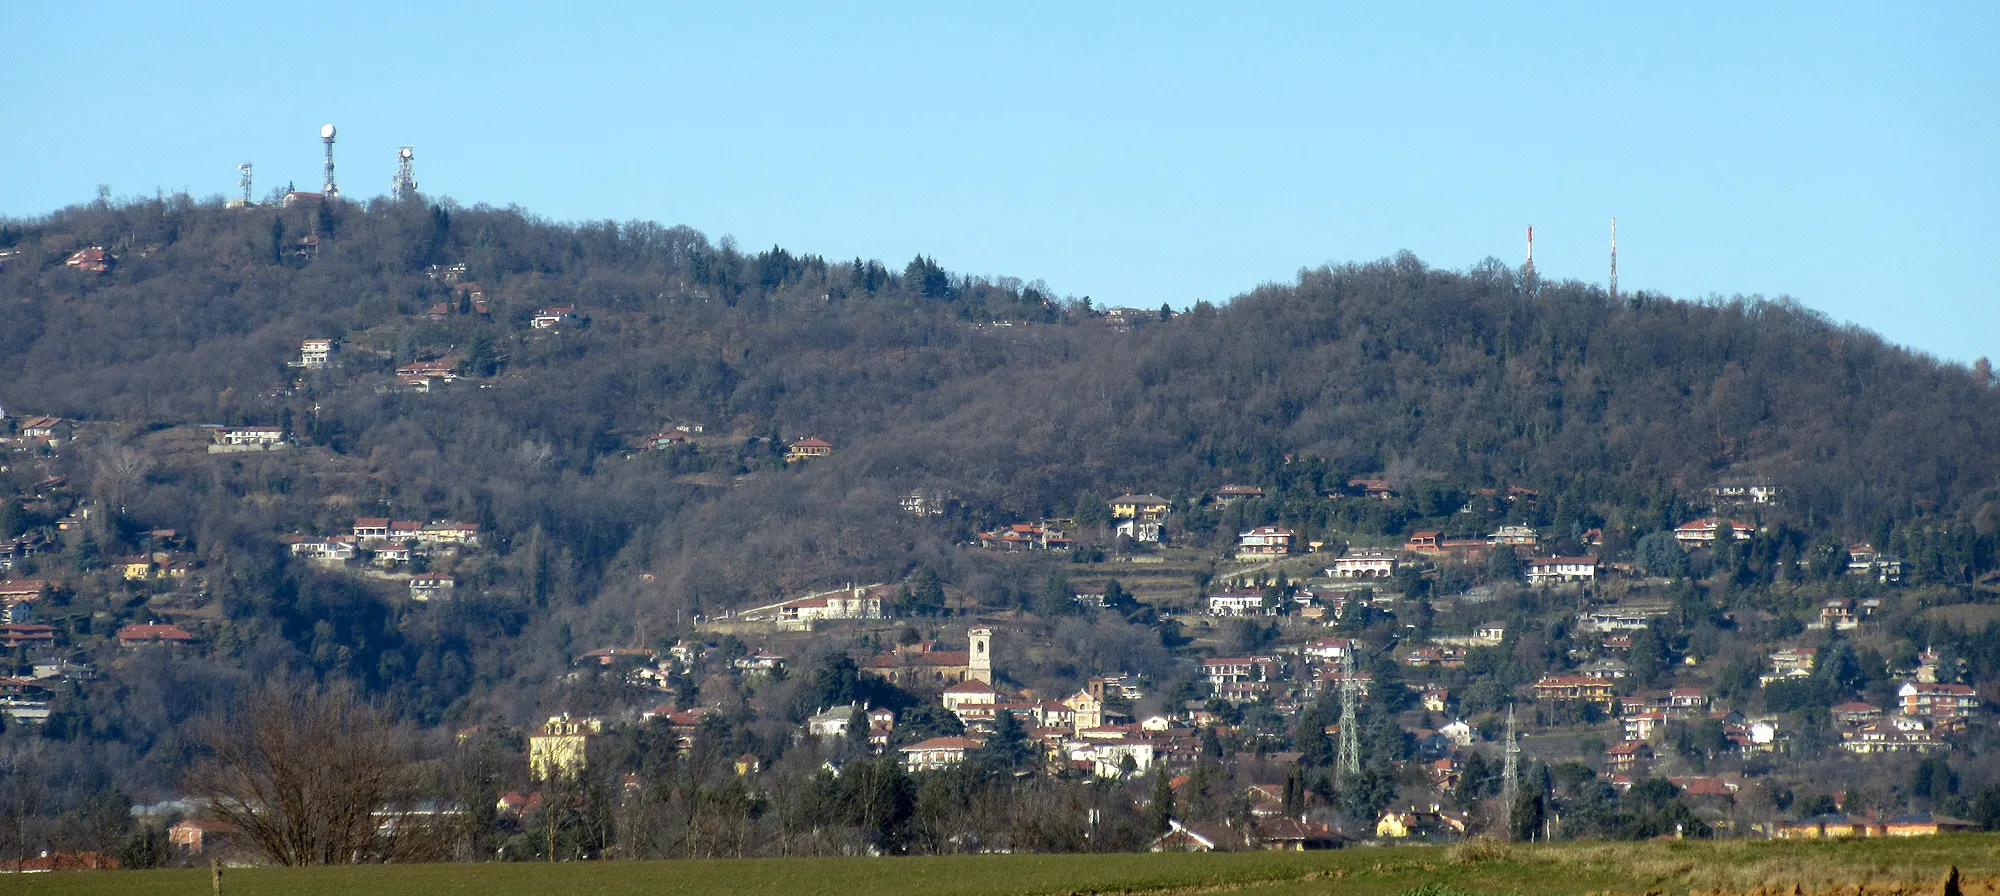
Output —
(404, 184)
(244, 181)
(1527, 270)
(326, 133)
(1614, 258)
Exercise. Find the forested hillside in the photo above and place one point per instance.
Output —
(611, 407)
(1616, 410)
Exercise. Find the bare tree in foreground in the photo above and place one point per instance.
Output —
(302, 770)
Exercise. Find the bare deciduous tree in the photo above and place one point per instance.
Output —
(302, 770)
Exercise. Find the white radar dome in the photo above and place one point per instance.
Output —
(326, 131)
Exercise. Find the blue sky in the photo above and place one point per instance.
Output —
(1846, 155)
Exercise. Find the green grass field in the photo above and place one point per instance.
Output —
(1560, 870)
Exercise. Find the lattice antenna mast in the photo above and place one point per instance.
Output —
(404, 184)
(1510, 777)
(326, 133)
(1349, 763)
(244, 181)
(1614, 258)
(1527, 269)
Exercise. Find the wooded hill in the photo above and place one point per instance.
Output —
(1014, 402)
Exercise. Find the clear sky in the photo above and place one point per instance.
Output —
(1846, 155)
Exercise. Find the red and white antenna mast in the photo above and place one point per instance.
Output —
(1529, 268)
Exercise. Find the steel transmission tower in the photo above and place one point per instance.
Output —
(1510, 778)
(1350, 740)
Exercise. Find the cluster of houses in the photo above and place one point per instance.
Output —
(392, 544)
(173, 567)
(36, 647)
(1142, 518)
(1926, 712)
(40, 431)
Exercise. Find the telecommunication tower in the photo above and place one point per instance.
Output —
(1510, 777)
(1527, 269)
(1614, 258)
(404, 184)
(1349, 761)
(326, 133)
(244, 181)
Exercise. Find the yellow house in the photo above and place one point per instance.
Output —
(137, 569)
(1396, 824)
(562, 747)
(1574, 689)
(1140, 507)
(1416, 822)
(808, 448)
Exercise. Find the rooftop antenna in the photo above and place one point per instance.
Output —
(1527, 270)
(1349, 764)
(326, 132)
(404, 184)
(1614, 258)
(244, 181)
(1510, 778)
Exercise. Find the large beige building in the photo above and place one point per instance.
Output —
(562, 746)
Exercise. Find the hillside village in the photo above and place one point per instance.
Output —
(1454, 647)
(1284, 650)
